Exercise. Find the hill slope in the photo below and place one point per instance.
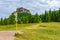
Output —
(40, 31)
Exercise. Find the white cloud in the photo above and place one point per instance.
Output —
(43, 4)
(7, 7)
(49, 3)
(33, 5)
(13, 0)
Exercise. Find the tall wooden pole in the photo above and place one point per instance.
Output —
(16, 22)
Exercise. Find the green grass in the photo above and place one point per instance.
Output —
(40, 31)
(13, 27)
(39, 34)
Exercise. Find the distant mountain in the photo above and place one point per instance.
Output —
(21, 10)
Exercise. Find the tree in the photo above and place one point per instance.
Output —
(1, 21)
(12, 19)
(58, 15)
(36, 18)
(6, 21)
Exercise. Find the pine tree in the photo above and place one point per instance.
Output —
(36, 18)
(49, 15)
(6, 21)
(2, 21)
(12, 19)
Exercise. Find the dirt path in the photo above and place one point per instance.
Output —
(7, 35)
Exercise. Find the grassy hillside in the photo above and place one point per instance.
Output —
(13, 27)
(40, 31)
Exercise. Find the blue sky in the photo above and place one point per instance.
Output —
(8, 6)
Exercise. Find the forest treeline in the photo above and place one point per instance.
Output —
(24, 17)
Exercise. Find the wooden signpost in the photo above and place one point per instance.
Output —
(16, 22)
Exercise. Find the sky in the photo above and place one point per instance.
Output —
(39, 6)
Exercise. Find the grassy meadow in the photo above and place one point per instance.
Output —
(36, 31)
